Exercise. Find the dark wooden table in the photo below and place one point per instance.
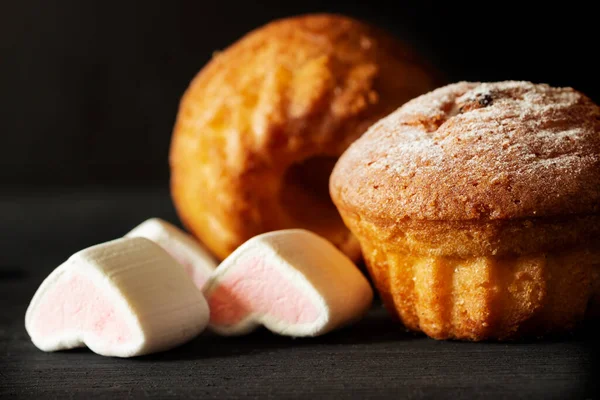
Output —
(372, 359)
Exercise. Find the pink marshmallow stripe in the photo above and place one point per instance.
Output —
(255, 287)
(76, 304)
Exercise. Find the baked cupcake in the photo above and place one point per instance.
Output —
(477, 209)
(262, 125)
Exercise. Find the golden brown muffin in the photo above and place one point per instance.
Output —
(477, 209)
(262, 125)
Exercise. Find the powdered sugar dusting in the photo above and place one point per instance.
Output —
(493, 149)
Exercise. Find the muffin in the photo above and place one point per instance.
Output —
(477, 209)
(262, 125)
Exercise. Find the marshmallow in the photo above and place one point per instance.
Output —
(196, 260)
(293, 282)
(123, 298)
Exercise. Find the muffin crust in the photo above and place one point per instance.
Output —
(479, 168)
(477, 209)
(288, 92)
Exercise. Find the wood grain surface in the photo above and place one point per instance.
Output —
(373, 359)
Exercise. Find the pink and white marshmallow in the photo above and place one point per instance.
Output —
(122, 298)
(196, 260)
(293, 282)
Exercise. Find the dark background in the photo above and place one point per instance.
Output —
(88, 96)
(89, 89)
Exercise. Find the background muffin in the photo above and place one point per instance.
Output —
(477, 208)
(261, 126)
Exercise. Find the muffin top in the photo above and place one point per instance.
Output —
(477, 151)
(279, 105)
(294, 87)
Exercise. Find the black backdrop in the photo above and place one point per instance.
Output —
(88, 96)
(89, 89)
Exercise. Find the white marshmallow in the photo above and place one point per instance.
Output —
(122, 298)
(293, 282)
(197, 261)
